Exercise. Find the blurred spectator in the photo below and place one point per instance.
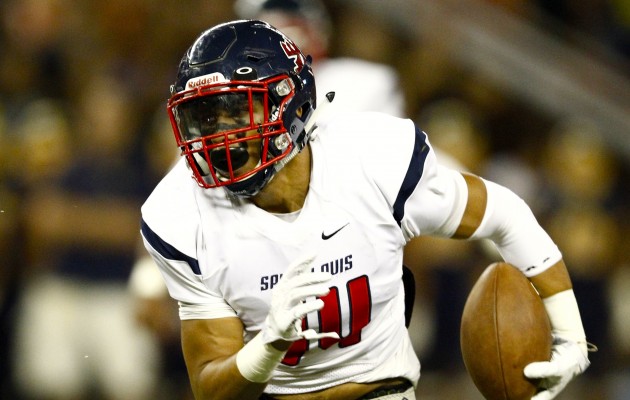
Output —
(455, 128)
(619, 289)
(606, 21)
(34, 153)
(33, 62)
(581, 187)
(41, 143)
(620, 26)
(33, 84)
(9, 234)
(76, 334)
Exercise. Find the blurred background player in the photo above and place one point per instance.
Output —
(359, 85)
(76, 335)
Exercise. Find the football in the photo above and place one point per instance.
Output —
(504, 327)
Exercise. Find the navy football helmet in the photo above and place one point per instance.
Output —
(243, 94)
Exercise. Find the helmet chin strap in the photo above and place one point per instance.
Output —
(281, 163)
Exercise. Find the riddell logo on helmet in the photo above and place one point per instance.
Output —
(204, 80)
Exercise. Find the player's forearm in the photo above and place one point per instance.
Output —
(554, 286)
(221, 379)
(552, 281)
(209, 347)
(243, 375)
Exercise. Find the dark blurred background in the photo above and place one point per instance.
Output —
(532, 94)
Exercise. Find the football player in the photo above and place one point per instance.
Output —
(285, 248)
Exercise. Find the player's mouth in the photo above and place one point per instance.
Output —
(242, 162)
(238, 157)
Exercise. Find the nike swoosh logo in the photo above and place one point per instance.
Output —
(326, 237)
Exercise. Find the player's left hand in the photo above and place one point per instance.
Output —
(568, 359)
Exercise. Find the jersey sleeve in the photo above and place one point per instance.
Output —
(195, 300)
(437, 203)
(426, 198)
(169, 232)
(432, 200)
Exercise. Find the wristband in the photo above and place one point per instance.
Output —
(257, 360)
(564, 315)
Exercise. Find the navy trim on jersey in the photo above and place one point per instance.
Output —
(166, 250)
(414, 173)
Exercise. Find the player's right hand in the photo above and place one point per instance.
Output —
(567, 361)
(294, 297)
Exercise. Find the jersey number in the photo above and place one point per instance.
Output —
(360, 309)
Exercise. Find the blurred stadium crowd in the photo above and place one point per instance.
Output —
(84, 137)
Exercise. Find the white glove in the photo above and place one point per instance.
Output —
(292, 299)
(569, 353)
(567, 361)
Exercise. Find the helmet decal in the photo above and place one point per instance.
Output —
(215, 77)
(293, 52)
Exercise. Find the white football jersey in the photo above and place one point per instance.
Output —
(375, 183)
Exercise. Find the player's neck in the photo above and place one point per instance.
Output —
(287, 191)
